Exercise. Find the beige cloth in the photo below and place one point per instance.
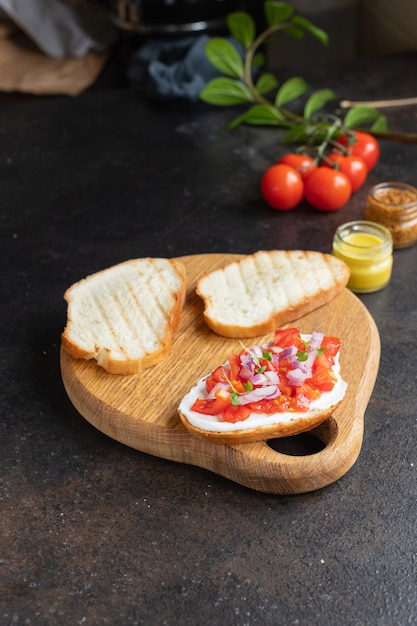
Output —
(24, 68)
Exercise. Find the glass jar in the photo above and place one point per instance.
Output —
(366, 247)
(394, 205)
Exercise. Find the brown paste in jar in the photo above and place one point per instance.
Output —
(394, 205)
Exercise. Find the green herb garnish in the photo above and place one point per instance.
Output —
(235, 398)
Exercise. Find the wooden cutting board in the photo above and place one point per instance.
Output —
(141, 411)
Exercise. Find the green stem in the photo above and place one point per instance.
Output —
(297, 119)
(250, 53)
(394, 136)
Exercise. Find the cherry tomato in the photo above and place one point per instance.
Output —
(353, 166)
(300, 162)
(327, 189)
(282, 187)
(366, 147)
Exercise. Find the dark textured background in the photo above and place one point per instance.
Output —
(96, 533)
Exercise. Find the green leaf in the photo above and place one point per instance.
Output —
(242, 27)
(234, 396)
(310, 28)
(265, 83)
(294, 32)
(258, 60)
(260, 115)
(277, 12)
(317, 101)
(290, 90)
(380, 125)
(296, 134)
(224, 56)
(360, 115)
(225, 92)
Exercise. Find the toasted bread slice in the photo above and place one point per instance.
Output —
(285, 426)
(125, 316)
(258, 426)
(265, 290)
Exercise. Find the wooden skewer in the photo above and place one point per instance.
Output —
(379, 104)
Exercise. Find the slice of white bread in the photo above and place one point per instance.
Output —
(265, 290)
(125, 316)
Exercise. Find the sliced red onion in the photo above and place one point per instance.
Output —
(248, 361)
(312, 356)
(246, 373)
(260, 393)
(272, 377)
(288, 352)
(257, 351)
(259, 379)
(296, 377)
(316, 339)
(306, 371)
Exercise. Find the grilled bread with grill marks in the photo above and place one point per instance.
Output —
(268, 289)
(125, 316)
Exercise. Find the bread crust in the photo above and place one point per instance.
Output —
(262, 433)
(278, 319)
(102, 354)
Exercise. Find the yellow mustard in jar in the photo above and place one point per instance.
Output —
(366, 247)
(394, 205)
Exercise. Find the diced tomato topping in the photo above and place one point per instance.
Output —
(264, 406)
(238, 385)
(283, 404)
(292, 397)
(235, 365)
(285, 364)
(284, 387)
(220, 374)
(332, 345)
(213, 406)
(307, 390)
(322, 378)
(323, 361)
(236, 413)
(300, 403)
(287, 337)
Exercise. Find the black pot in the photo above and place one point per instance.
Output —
(173, 16)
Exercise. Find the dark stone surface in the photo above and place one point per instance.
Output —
(96, 533)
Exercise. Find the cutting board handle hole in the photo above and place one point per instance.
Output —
(307, 443)
(297, 445)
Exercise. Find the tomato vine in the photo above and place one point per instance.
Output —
(267, 99)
